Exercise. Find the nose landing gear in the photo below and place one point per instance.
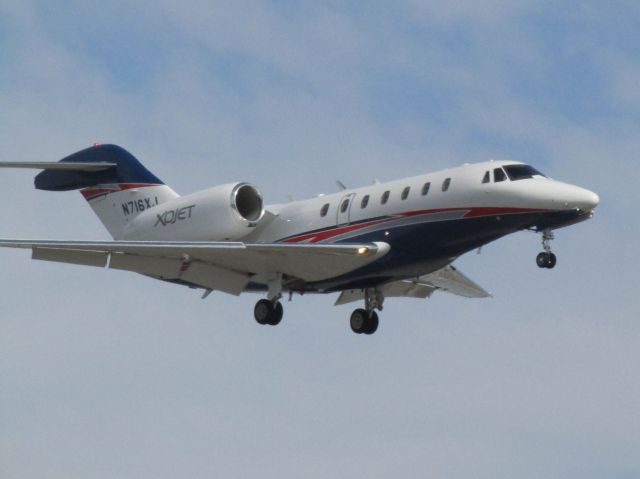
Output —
(546, 259)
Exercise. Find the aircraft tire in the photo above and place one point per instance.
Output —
(263, 311)
(546, 260)
(358, 321)
(276, 314)
(371, 325)
(541, 259)
(551, 261)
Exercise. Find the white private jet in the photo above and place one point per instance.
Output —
(395, 239)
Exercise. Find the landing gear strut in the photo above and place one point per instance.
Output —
(546, 259)
(365, 321)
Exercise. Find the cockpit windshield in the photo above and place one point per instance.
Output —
(521, 172)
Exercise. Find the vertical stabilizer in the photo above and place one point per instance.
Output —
(117, 193)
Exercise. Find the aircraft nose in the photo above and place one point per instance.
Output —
(572, 196)
(588, 200)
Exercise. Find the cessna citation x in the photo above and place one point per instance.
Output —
(395, 239)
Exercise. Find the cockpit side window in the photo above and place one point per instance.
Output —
(499, 175)
(521, 172)
(487, 177)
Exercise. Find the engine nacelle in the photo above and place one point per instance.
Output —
(222, 213)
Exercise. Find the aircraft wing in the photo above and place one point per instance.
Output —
(453, 281)
(223, 266)
(445, 279)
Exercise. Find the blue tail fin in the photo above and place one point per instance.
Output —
(130, 187)
(127, 170)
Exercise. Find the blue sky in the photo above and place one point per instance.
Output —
(107, 374)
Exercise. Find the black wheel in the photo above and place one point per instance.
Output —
(263, 311)
(542, 259)
(371, 325)
(277, 312)
(551, 260)
(359, 321)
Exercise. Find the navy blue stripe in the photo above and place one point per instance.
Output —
(127, 170)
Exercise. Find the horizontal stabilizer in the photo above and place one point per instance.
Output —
(97, 165)
(54, 165)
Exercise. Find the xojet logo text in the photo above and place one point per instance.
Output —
(169, 217)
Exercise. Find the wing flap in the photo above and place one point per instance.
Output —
(165, 268)
(206, 275)
(86, 258)
(213, 277)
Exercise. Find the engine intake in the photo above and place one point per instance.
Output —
(247, 201)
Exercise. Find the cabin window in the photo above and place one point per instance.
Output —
(487, 177)
(445, 184)
(405, 193)
(344, 206)
(425, 188)
(385, 197)
(324, 210)
(364, 202)
(499, 175)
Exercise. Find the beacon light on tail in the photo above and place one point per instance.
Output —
(394, 239)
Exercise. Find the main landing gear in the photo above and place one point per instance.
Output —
(267, 311)
(546, 259)
(270, 310)
(365, 321)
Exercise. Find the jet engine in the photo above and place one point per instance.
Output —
(222, 213)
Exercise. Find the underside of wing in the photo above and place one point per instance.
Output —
(223, 266)
(453, 281)
(446, 279)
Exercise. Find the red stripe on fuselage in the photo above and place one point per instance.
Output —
(478, 212)
(332, 232)
(91, 193)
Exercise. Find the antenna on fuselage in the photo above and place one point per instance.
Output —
(341, 185)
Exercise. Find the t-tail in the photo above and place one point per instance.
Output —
(116, 185)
